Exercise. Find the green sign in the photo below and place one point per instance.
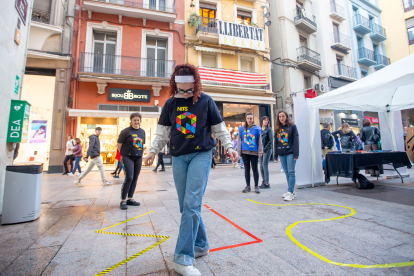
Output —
(91, 126)
(18, 127)
(17, 85)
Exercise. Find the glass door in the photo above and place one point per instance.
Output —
(156, 57)
(104, 47)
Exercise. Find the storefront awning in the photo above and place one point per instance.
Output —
(107, 113)
(214, 50)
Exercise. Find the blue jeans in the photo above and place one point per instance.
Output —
(190, 173)
(289, 166)
(77, 166)
(264, 166)
(241, 161)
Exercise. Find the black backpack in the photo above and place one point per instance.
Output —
(364, 183)
(374, 138)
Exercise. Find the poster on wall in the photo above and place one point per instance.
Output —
(38, 132)
(239, 35)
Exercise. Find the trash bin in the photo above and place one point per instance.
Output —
(22, 193)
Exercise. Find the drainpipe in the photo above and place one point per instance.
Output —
(77, 60)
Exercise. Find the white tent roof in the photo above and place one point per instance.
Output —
(391, 88)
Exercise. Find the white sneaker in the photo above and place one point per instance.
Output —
(200, 254)
(285, 194)
(282, 170)
(289, 197)
(106, 183)
(186, 270)
(77, 183)
(70, 174)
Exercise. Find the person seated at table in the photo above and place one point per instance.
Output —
(347, 137)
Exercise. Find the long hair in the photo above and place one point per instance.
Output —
(186, 70)
(279, 125)
(345, 128)
(264, 118)
(246, 125)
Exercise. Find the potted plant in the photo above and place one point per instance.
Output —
(253, 24)
(194, 20)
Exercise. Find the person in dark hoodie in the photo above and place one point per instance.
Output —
(94, 151)
(267, 141)
(326, 139)
(287, 147)
(251, 149)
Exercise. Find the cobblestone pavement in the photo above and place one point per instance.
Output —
(63, 240)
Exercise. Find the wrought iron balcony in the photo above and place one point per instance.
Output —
(378, 33)
(382, 61)
(366, 57)
(41, 16)
(126, 66)
(341, 42)
(337, 11)
(361, 24)
(308, 58)
(345, 72)
(208, 25)
(303, 22)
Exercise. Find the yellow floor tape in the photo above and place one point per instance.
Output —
(101, 231)
(289, 233)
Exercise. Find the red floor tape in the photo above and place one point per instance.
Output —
(256, 239)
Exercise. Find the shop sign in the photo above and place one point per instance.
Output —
(17, 36)
(17, 129)
(91, 126)
(21, 7)
(131, 95)
(239, 35)
(351, 122)
(373, 120)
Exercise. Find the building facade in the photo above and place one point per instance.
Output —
(124, 53)
(228, 41)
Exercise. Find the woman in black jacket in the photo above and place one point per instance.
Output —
(267, 142)
(370, 136)
(347, 137)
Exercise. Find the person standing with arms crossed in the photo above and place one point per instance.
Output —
(188, 119)
(94, 151)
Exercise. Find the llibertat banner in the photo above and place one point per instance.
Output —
(239, 35)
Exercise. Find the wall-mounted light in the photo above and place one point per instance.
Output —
(192, 4)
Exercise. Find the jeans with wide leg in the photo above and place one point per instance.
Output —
(190, 173)
(289, 165)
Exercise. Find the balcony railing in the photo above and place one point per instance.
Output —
(361, 24)
(378, 29)
(301, 14)
(337, 9)
(208, 25)
(382, 60)
(41, 16)
(125, 66)
(342, 39)
(304, 53)
(145, 4)
(342, 70)
(365, 53)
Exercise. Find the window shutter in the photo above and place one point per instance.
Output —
(410, 22)
(208, 6)
(42, 5)
(244, 14)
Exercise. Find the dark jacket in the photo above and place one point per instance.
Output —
(94, 149)
(287, 141)
(326, 139)
(367, 135)
(342, 134)
(267, 139)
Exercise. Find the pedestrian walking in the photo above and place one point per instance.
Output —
(370, 136)
(327, 140)
(118, 168)
(287, 147)
(189, 118)
(77, 152)
(70, 144)
(161, 154)
(131, 142)
(347, 137)
(267, 142)
(94, 151)
(251, 149)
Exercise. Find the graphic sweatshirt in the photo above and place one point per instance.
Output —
(287, 141)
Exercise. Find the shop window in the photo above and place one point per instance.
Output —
(244, 17)
(246, 64)
(104, 48)
(307, 82)
(208, 12)
(209, 60)
(156, 57)
(410, 30)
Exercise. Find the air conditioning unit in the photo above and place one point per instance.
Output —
(320, 88)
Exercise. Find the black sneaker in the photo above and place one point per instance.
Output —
(132, 202)
(116, 176)
(256, 189)
(247, 189)
(123, 205)
(162, 170)
(65, 173)
(154, 170)
(113, 173)
(264, 186)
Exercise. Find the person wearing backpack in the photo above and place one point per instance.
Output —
(326, 139)
(371, 137)
(347, 138)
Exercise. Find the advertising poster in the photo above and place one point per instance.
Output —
(38, 132)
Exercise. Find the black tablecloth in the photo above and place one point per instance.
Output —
(349, 164)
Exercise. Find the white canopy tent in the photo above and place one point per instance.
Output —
(389, 90)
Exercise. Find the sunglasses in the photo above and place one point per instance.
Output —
(181, 91)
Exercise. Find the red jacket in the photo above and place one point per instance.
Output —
(118, 155)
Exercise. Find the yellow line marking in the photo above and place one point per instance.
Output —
(289, 233)
(164, 238)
